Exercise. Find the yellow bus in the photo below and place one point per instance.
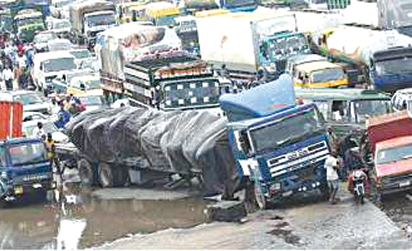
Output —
(320, 74)
(160, 13)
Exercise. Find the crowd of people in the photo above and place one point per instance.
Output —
(16, 60)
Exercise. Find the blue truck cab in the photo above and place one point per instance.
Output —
(24, 168)
(277, 145)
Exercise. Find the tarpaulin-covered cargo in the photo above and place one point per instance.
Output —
(173, 142)
(132, 41)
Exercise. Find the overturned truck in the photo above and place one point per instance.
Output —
(135, 145)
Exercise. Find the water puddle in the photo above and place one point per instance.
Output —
(80, 221)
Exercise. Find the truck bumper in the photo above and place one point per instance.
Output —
(402, 184)
(20, 190)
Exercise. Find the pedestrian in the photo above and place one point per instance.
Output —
(38, 132)
(17, 72)
(8, 78)
(63, 117)
(51, 149)
(332, 166)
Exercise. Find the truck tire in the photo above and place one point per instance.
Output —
(106, 176)
(260, 197)
(324, 190)
(112, 177)
(85, 172)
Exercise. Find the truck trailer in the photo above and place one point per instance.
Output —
(90, 18)
(384, 58)
(245, 43)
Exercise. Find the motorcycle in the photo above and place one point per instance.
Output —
(357, 184)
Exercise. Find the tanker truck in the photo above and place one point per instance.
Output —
(383, 58)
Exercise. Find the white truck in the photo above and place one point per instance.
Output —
(90, 18)
(48, 65)
(250, 42)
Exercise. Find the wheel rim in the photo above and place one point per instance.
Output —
(85, 174)
(105, 177)
(260, 198)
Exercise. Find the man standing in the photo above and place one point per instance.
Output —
(38, 132)
(8, 78)
(332, 165)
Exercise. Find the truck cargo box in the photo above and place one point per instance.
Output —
(388, 126)
(11, 117)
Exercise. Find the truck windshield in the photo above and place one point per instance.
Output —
(289, 44)
(91, 100)
(59, 64)
(367, 108)
(27, 153)
(286, 130)
(327, 75)
(394, 66)
(102, 19)
(394, 154)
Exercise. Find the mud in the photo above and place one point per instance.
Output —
(76, 219)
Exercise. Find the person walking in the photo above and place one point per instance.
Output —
(8, 78)
(332, 166)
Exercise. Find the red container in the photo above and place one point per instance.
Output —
(388, 126)
(11, 119)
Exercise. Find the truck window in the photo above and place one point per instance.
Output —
(27, 153)
(2, 156)
(340, 110)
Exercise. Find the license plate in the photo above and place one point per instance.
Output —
(18, 190)
(37, 185)
(405, 183)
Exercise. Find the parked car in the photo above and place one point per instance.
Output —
(41, 40)
(59, 44)
(92, 100)
(61, 27)
(31, 116)
(47, 66)
(81, 55)
(84, 84)
(49, 127)
(32, 102)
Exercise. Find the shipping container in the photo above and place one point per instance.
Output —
(11, 117)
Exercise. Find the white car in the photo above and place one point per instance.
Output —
(32, 102)
(31, 116)
(61, 27)
(48, 126)
(59, 44)
(49, 65)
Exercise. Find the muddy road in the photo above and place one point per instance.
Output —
(82, 220)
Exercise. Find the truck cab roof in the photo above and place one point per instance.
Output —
(20, 140)
(340, 94)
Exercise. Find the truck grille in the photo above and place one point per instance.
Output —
(298, 159)
(396, 178)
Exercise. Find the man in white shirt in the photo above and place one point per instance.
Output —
(332, 165)
(8, 78)
(39, 132)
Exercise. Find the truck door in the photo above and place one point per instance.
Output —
(340, 117)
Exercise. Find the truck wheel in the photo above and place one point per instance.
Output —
(106, 176)
(85, 172)
(260, 198)
(324, 190)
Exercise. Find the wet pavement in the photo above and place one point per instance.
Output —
(82, 220)
(302, 223)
